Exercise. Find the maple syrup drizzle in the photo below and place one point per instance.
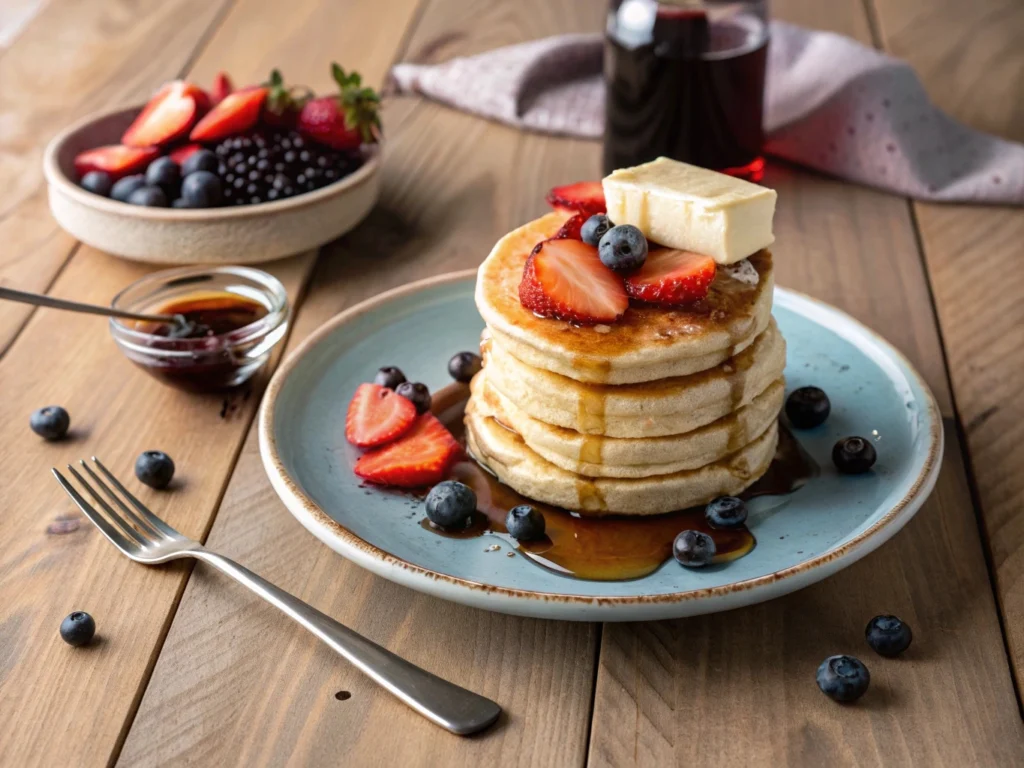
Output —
(608, 548)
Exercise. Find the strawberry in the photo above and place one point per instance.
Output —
(167, 116)
(565, 279)
(344, 121)
(377, 415)
(222, 88)
(283, 103)
(582, 197)
(182, 153)
(237, 113)
(571, 229)
(117, 160)
(420, 457)
(672, 277)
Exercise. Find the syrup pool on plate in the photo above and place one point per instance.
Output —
(609, 548)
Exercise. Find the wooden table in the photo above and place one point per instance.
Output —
(192, 669)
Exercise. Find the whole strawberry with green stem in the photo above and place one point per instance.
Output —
(346, 120)
(284, 103)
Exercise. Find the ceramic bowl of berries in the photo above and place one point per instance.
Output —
(225, 176)
(228, 320)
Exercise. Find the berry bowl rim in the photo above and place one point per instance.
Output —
(56, 176)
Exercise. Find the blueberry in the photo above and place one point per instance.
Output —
(166, 174)
(693, 549)
(524, 523)
(180, 203)
(97, 182)
(154, 468)
(200, 160)
(449, 504)
(888, 635)
(464, 366)
(389, 377)
(78, 628)
(51, 422)
(853, 455)
(123, 188)
(594, 228)
(807, 407)
(623, 247)
(416, 393)
(202, 189)
(726, 512)
(843, 678)
(153, 197)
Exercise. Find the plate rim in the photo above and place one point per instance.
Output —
(386, 564)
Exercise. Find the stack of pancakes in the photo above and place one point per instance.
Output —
(665, 409)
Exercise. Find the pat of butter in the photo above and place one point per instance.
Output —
(693, 209)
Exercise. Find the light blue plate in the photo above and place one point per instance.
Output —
(801, 538)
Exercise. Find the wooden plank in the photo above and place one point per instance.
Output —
(738, 688)
(70, 59)
(89, 696)
(971, 61)
(259, 689)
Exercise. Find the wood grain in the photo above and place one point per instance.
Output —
(89, 695)
(69, 60)
(452, 185)
(738, 688)
(970, 58)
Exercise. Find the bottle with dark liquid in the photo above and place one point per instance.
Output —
(685, 80)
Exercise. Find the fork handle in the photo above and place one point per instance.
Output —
(453, 708)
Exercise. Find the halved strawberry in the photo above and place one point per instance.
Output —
(672, 277)
(115, 159)
(565, 279)
(582, 197)
(167, 116)
(571, 229)
(420, 457)
(237, 113)
(222, 88)
(181, 154)
(377, 415)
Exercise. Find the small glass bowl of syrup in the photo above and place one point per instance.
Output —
(235, 316)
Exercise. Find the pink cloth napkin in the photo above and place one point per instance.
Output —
(832, 104)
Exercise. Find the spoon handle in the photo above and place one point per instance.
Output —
(40, 300)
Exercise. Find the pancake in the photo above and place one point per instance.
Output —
(596, 456)
(503, 452)
(647, 343)
(651, 409)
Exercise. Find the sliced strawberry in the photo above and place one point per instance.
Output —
(565, 279)
(571, 229)
(167, 116)
(672, 277)
(420, 457)
(377, 415)
(117, 160)
(222, 88)
(181, 154)
(582, 197)
(237, 113)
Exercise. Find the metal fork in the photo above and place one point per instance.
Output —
(145, 538)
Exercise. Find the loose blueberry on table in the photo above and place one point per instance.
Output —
(694, 549)
(464, 366)
(888, 635)
(807, 407)
(843, 678)
(155, 469)
(78, 628)
(450, 504)
(192, 149)
(50, 423)
(525, 523)
(853, 455)
(726, 512)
